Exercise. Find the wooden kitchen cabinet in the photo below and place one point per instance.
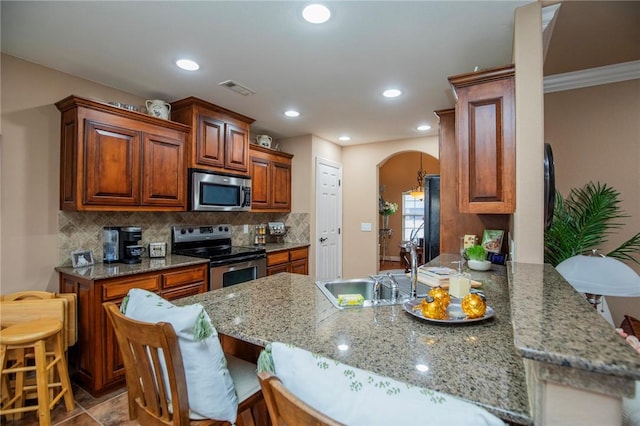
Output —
(294, 260)
(96, 357)
(485, 134)
(270, 173)
(219, 138)
(453, 223)
(114, 159)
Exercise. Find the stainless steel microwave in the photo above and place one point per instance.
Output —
(216, 192)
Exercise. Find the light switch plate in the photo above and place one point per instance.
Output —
(365, 227)
(245, 229)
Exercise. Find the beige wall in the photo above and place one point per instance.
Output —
(29, 169)
(595, 136)
(360, 199)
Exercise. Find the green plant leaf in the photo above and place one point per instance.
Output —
(584, 221)
(627, 249)
(476, 252)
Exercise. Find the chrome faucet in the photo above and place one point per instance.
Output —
(395, 288)
(376, 287)
(412, 244)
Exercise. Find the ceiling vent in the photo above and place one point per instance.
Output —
(237, 87)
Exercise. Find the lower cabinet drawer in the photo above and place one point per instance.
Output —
(120, 288)
(185, 291)
(297, 254)
(277, 258)
(184, 276)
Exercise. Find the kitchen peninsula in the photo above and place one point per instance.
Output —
(477, 362)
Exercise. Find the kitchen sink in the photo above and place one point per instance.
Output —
(332, 289)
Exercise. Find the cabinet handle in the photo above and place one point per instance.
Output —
(323, 239)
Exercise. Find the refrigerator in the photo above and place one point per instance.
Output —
(431, 217)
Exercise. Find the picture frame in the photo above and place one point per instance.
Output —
(82, 258)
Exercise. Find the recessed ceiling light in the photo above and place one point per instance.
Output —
(392, 93)
(187, 64)
(291, 113)
(316, 13)
(423, 127)
(345, 138)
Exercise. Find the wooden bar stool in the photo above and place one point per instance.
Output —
(34, 335)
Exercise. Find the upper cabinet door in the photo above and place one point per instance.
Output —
(112, 165)
(164, 174)
(260, 183)
(485, 134)
(236, 148)
(281, 185)
(210, 145)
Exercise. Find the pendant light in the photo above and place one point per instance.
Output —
(418, 192)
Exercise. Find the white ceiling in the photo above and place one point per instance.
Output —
(332, 73)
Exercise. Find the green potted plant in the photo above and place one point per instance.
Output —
(477, 256)
(584, 221)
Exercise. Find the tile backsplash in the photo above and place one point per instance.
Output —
(83, 230)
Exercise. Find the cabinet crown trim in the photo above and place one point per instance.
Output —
(74, 101)
(193, 101)
(258, 148)
(485, 76)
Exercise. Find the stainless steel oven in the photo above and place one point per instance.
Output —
(228, 264)
(236, 273)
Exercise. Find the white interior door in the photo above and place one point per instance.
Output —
(328, 219)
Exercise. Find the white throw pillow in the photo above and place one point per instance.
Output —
(209, 384)
(631, 409)
(358, 397)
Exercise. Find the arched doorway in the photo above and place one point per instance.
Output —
(397, 175)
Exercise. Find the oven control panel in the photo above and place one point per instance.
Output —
(187, 233)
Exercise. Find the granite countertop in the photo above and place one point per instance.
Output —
(273, 247)
(101, 271)
(553, 323)
(476, 362)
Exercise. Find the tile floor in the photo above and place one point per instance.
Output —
(108, 410)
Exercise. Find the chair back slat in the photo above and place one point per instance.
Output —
(285, 409)
(140, 344)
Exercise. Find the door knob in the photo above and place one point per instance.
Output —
(323, 239)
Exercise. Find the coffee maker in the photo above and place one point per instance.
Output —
(130, 251)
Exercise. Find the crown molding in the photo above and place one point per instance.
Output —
(548, 14)
(592, 77)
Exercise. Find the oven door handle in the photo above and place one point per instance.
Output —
(246, 258)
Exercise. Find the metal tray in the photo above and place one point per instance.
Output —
(456, 316)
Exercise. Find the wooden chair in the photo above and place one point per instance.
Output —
(285, 409)
(149, 403)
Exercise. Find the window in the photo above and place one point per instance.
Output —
(412, 216)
